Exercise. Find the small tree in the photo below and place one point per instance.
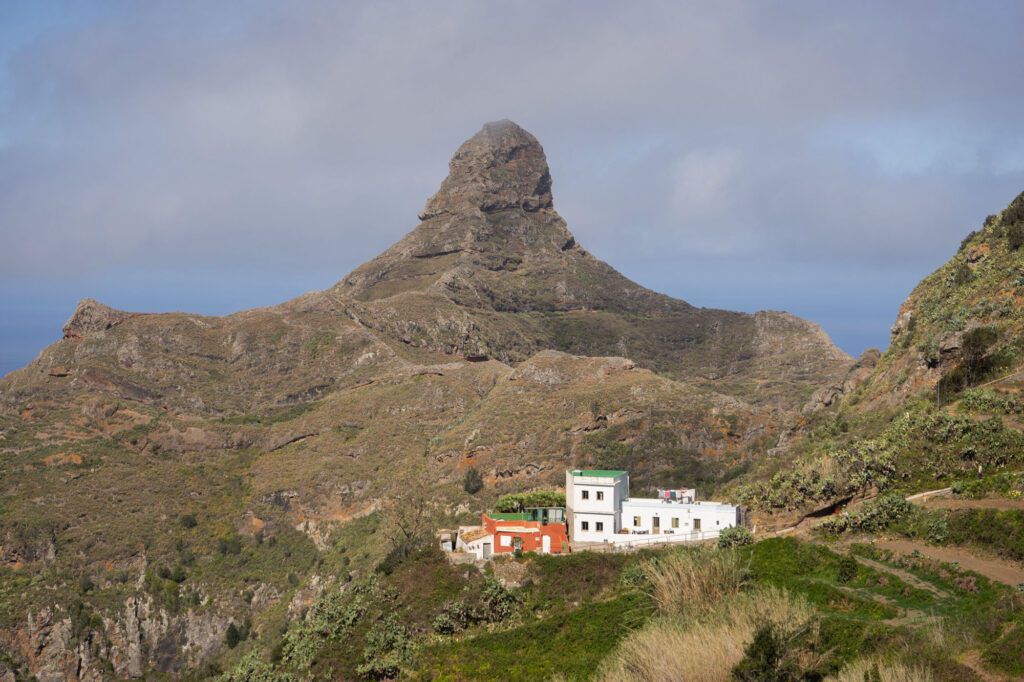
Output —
(232, 637)
(975, 353)
(404, 524)
(472, 482)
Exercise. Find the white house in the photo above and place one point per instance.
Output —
(599, 509)
(593, 501)
(654, 516)
(475, 540)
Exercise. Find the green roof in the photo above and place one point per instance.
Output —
(509, 517)
(608, 473)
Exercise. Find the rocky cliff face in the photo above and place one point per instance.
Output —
(494, 216)
(163, 475)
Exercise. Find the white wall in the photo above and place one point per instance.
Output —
(592, 503)
(593, 535)
(713, 517)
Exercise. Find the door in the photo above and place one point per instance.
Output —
(546, 544)
(656, 525)
(696, 525)
(487, 550)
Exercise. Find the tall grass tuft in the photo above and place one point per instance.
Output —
(704, 648)
(692, 579)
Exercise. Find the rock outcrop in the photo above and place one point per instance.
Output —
(92, 316)
(830, 395)
(501, 167)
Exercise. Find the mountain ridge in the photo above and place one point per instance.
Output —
(170, 473)
(493, 271)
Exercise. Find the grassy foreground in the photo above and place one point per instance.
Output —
(780, 609)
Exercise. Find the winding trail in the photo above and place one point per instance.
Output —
(994, 569)
(999, 503)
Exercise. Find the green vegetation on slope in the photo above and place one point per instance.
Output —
(636, 616)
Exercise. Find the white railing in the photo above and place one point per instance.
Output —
(623, 542)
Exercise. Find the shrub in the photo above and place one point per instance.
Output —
(735, 536)
(472, 482)
(188, 521)
(519, 501)
(1015, 236)
(455, 616)
(937, 529)
(693, 579)
(632, 575)
(388, 649)
(846, 569)
(498, 602)
(872, 517)
(330, 618)
(768, 658)
(962, 273)
(229, 544)
(967, 240)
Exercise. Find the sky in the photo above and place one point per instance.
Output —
(819, 158)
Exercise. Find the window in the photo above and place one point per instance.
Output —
(600, 494)
(696, 524)
(505, 540)
(584, 525)
(636, 521)
(585, 494)
(599, 526)
(675, 522)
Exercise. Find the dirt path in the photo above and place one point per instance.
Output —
(1001, 503)
(993, 569)
(906, 576)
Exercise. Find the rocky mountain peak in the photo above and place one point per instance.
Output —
(501, 167)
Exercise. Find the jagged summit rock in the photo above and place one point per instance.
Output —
(501, 167)
(494, 216)
(91, 316)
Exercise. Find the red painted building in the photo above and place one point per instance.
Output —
(540, 529)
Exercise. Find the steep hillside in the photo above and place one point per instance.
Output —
(962, 325)
(164, 476)
(942, 403)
